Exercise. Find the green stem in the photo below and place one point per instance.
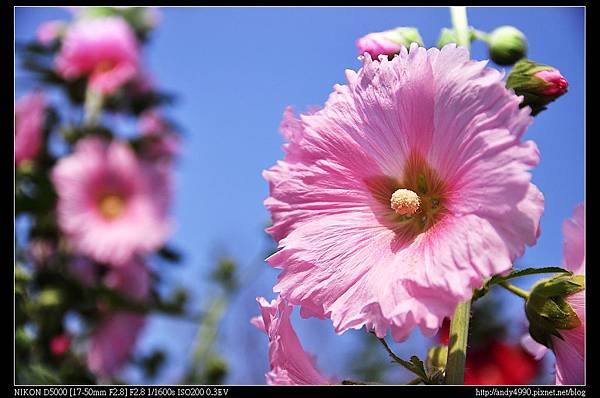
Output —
(92, 107)
(481, 35)
(461, 26)
(516, 290)
(457, 344)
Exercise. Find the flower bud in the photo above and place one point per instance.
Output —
(507, 45)
(539, 84)
(548, 310)
(389, 42)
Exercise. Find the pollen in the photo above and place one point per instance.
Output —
(405, 202)
(111, 206)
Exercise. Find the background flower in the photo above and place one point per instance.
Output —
(114, 339)
(103, 49)
(111, 205)
(29, 125)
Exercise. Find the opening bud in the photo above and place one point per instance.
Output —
(538, 84)
(388, 42)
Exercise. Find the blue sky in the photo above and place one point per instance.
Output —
(235, 70)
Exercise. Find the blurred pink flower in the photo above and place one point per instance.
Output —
(290, 364)
(104, 49)
(29, 125)
(132, 280)
(570, 351)
(111, 205)
(574, 241)
(112, 342)
(49, 31)
(429, 121)
(164, 142)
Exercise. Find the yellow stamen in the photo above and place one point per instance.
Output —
(104, 66)
(405, 202)
(111, 206)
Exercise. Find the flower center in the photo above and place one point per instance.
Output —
(416, 200)
(111, 206)
(405, 202)
(104, 66)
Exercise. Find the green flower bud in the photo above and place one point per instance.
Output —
(539, 84)
(507, 45)
(547, 309)
(405, 36)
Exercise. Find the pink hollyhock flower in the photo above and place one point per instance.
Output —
(50, 31)
(113, 341)
(556, 83)
(428, 126)
(29, 125)
(290, 364)
(132, 280)
(570, 351)
(111, 204)
(103, 49)
(574, 243)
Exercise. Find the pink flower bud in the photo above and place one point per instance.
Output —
(557, 84)
(377, 44)
(389, 42)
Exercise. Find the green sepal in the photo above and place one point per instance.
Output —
(547, 309)
(405, 36)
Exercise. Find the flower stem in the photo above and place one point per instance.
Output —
(457, 344)
(461, 26)
(513, 289)
(92, 107)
